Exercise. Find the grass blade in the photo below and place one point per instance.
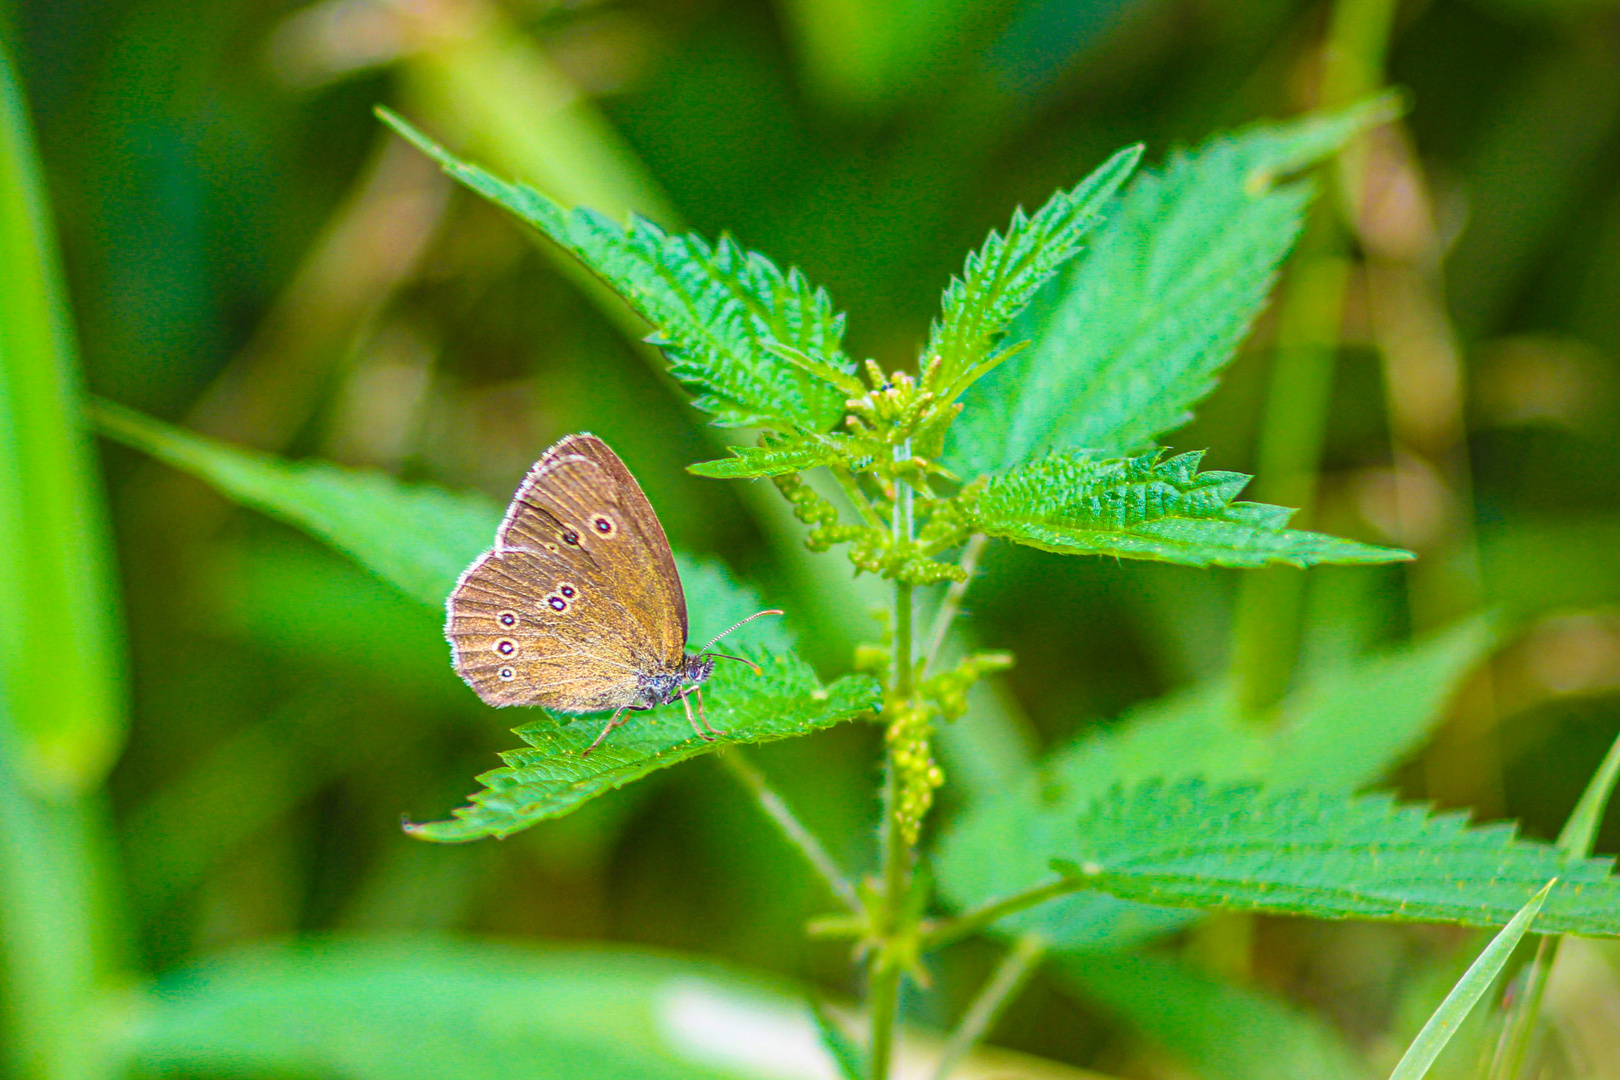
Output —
(1414, 1064)
(56, 573)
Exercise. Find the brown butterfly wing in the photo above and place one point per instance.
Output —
(523, 631)
(579, 597)
(580, 488)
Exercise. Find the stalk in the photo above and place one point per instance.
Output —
(884, 980)
(777, 809)
(1009, 978)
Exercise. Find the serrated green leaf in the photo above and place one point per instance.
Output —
(1131, 336)
(1328, 856)
(432, 1008)
(1341, 730)
(1220, 1031)
(551, 778)
(1001, 277)
(1147, 508)
(776, 458)
(717, 311)
(417, 537)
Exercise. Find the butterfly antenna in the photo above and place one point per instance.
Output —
(727, 656)
(733, 626)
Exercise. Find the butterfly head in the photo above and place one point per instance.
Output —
(697, 667)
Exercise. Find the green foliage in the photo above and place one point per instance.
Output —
(62, 673)
(761, 349)
(777, 458)
(1328, 856)
(1448, 1018)
(1340, 731)
(427, 1008)
(1133, 335)
(1002, 276)
(417, 537)
(1220, 1031)
(1145, 508)
(290, 708)
(56, 575)
(716, 310)
(551, 778)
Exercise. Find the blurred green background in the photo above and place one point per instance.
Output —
(248, 252)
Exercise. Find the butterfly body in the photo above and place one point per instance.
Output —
(578, 607)
(661, 688)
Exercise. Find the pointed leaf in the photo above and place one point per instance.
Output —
(717, 310)
(57, 576)
(1328, 856)
(1341, 730)
(1002, 276)
(416, 537)
(551, 778)
(1145, 508)
(1131, 336)
(778, 457)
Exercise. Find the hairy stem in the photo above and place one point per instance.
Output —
(1009, 978)
(884, 981)
(884, 984)
(952, 603)
(884, 988)
(795, 830)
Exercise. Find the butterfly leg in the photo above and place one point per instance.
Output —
(686, 703)
(698, 690)
(618, 718)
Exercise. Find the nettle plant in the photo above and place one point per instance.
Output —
(1070, 344)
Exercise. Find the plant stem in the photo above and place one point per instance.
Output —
(884, 981)
(951, 930)
(1009, 977)
(884, 985)
(884, 988)
(904, 664)
(795, 830)
(952, 603)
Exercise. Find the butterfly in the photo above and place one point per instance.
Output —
(578, 607)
